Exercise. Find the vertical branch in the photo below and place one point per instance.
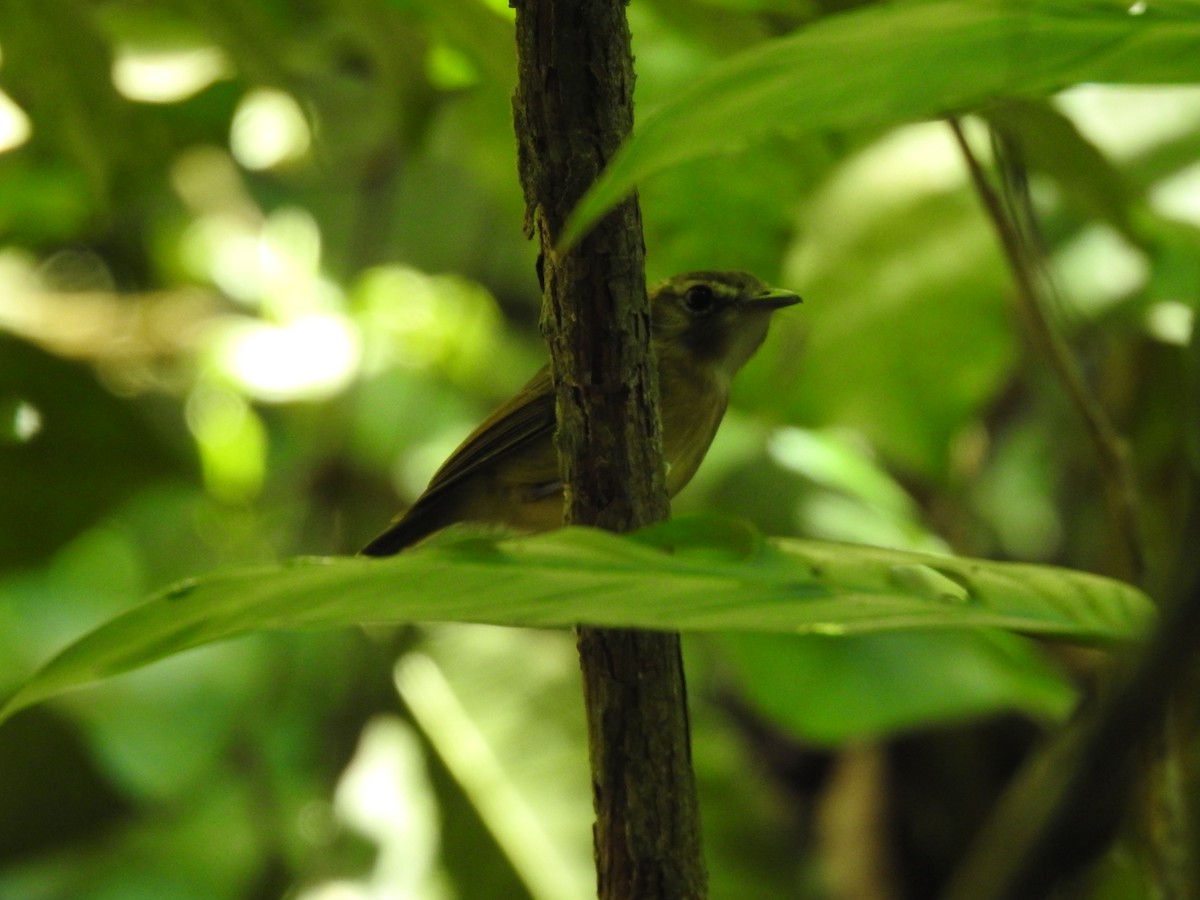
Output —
(572, 109)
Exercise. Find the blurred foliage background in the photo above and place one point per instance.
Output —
(262, 267)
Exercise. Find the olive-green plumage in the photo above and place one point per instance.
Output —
(705, 326)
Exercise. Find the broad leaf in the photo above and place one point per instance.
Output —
(899, 62)
(834, 690)
(691, 574)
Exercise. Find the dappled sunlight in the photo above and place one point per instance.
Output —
(386, 796)
(290, 259)
(1099, 268)
(1178, 197)
(15, 127)
(306, 358)
(1127, 121)
(76, 313)
(267, 262)
(262, 270)
(269, 129)
(25, 421)
(207, 181)
(226, 250)
(304, 346)
(167, 76)
(906, 184)
(1171, 322)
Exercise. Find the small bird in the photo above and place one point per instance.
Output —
(704, 327)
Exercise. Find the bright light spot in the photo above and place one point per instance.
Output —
(273, 265)
(310, 357)
(27, 421)
(374, 794)
(290, 266)
(1126, 121)
(224, 248)
(385, 795)
(833, 516)
(15, 127)
(167, 76)
(1138, 8)
(231, 440)
(910, 161)
(1178, 197)
(1099, 267)
(270, 264)
(20, 421)
(1171, 322)
(269, 129)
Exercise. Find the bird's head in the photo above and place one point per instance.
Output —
(714, 320)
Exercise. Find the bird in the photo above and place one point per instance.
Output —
(704, 327)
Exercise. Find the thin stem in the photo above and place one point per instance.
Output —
(1068, 801)
(1111, 450)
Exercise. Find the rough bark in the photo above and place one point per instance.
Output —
(572, 109)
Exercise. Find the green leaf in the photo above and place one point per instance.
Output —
(907, 291)
(833, 690)
(692, 574)
(899, 62)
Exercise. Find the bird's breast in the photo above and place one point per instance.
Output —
(692, 409)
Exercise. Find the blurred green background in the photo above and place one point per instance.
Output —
(262, 267)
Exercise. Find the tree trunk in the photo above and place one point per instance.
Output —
(573, 107)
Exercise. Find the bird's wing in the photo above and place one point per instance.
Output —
(526, 417)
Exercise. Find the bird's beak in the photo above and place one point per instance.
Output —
(775, 298)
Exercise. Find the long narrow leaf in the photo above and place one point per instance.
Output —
(897, 62)
(692, 574)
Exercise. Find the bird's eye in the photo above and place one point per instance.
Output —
(699, 299)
